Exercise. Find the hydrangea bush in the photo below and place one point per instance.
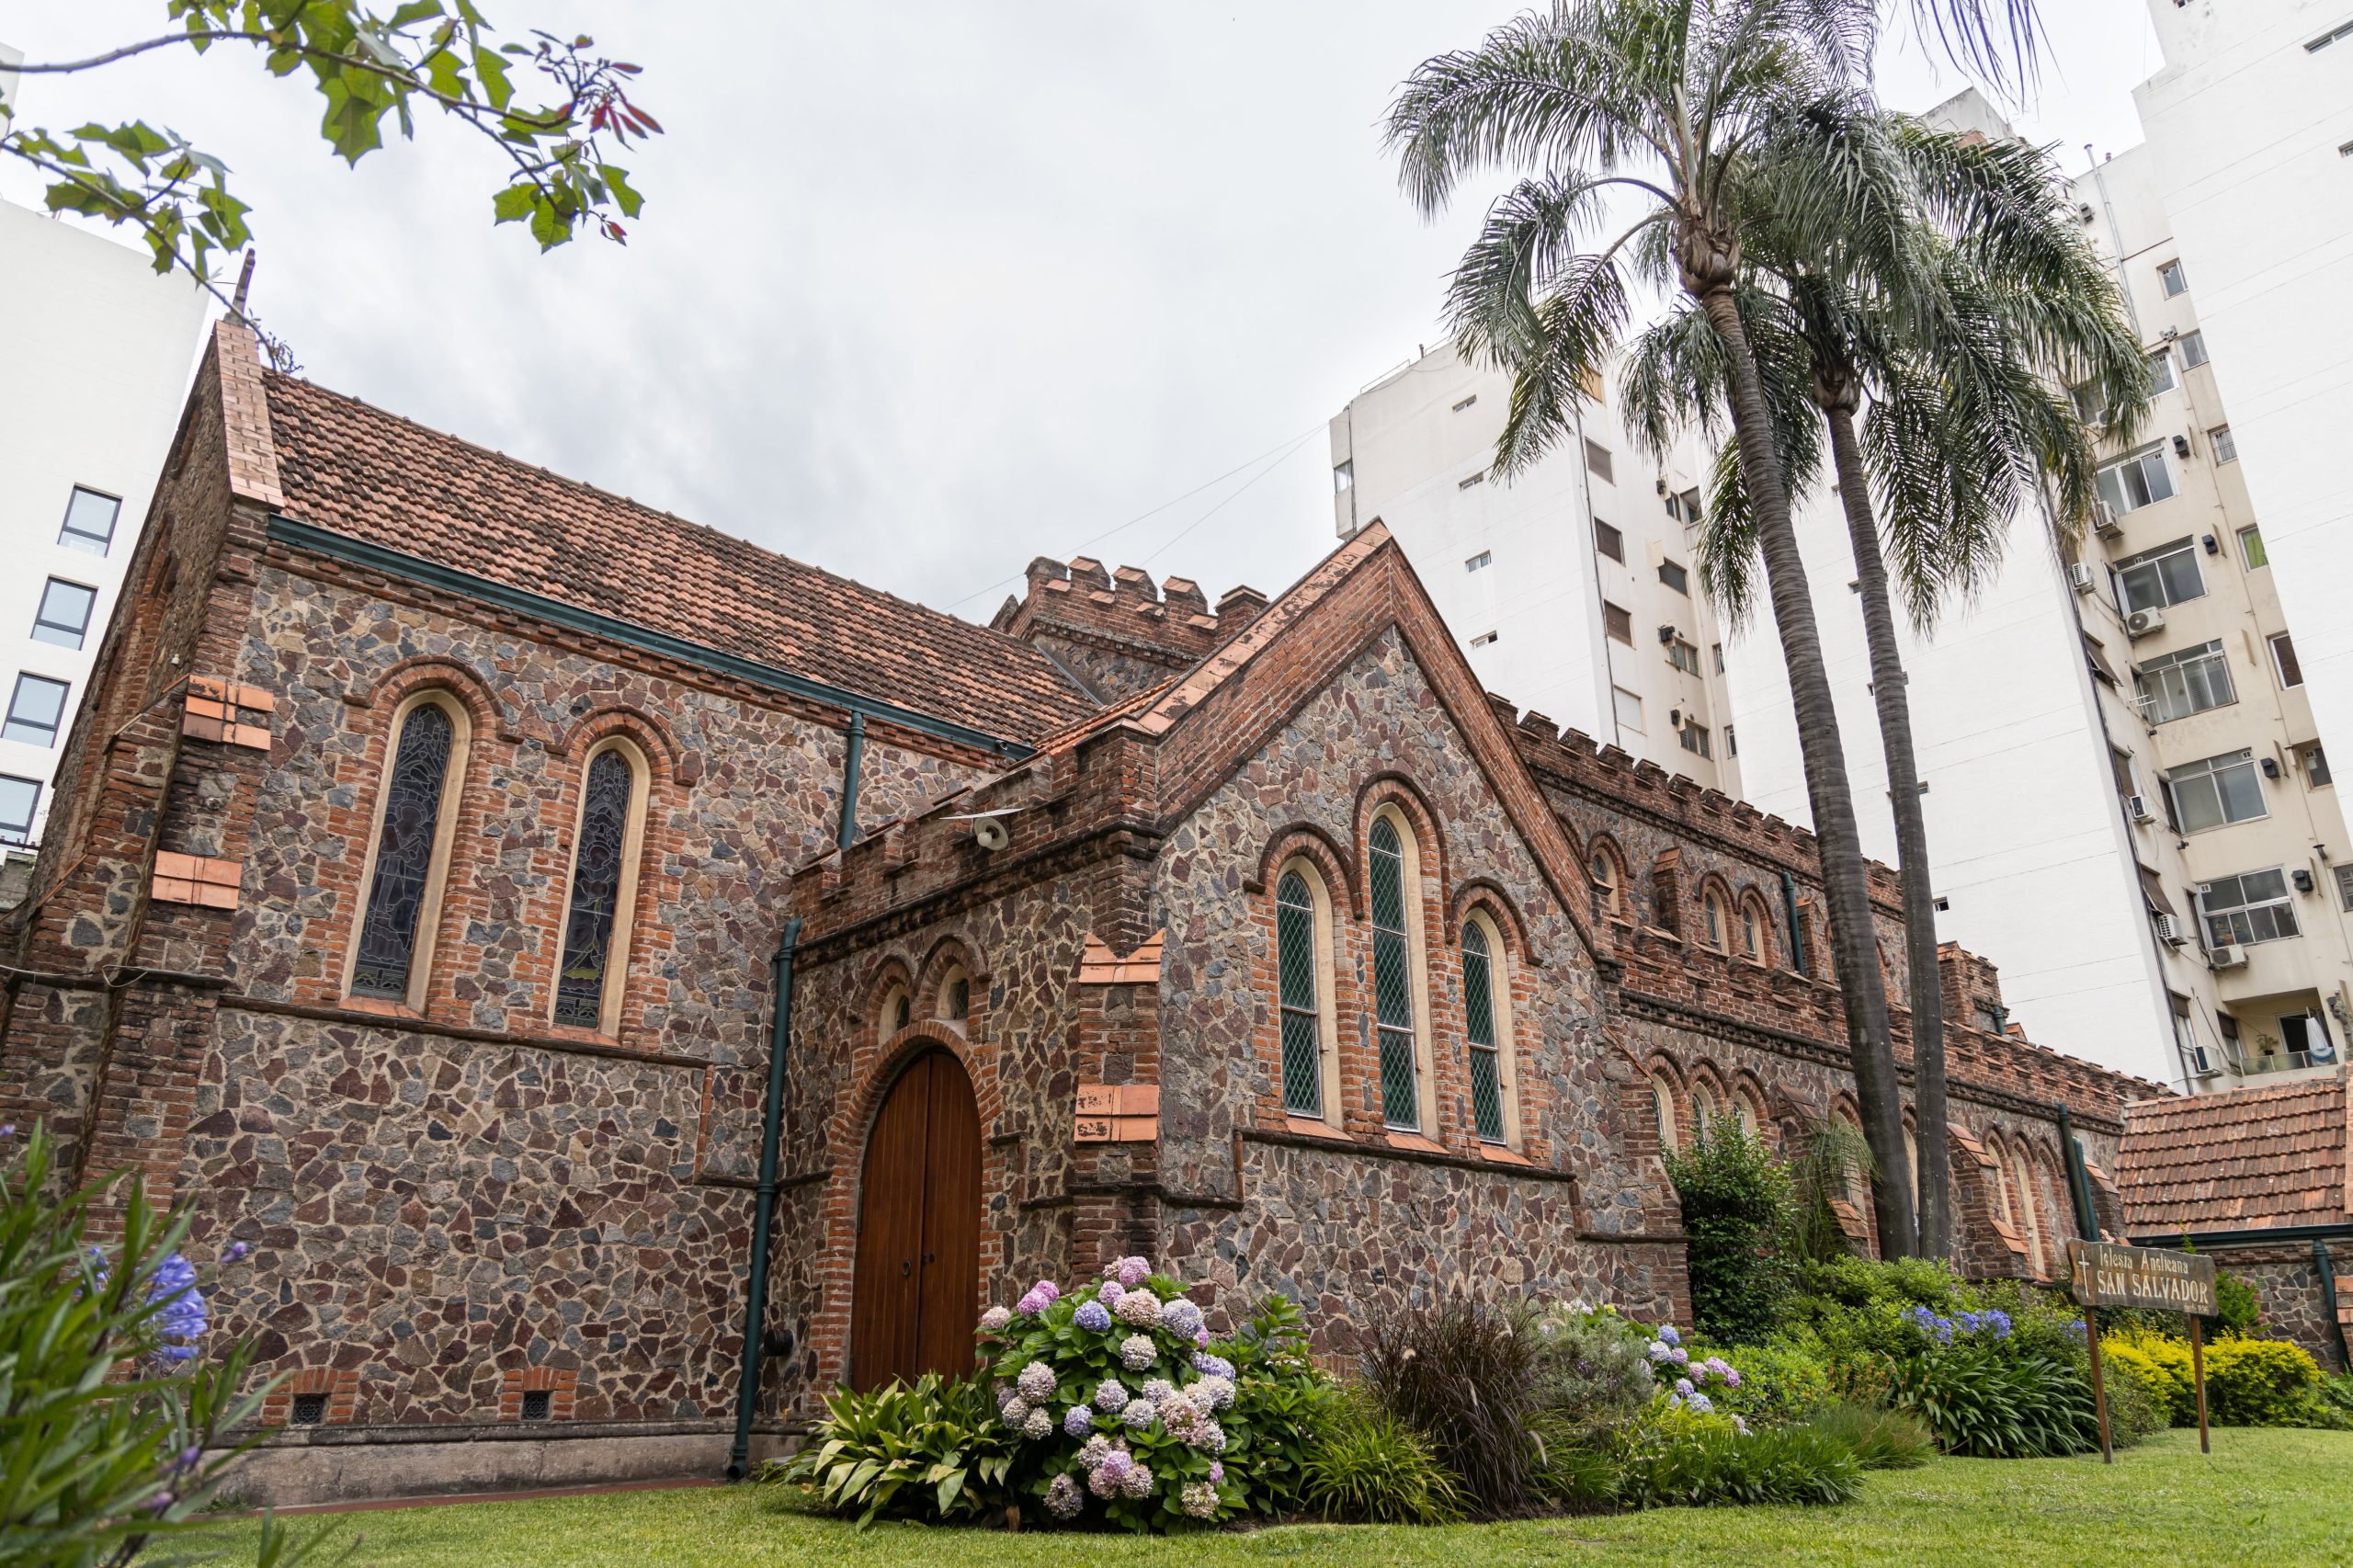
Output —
(1122, 1403)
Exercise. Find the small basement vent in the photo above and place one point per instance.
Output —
(309, 1409)
(534, 1404)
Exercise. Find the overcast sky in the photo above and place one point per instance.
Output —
(919, 292)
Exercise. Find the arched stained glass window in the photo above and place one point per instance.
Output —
(596, 891)
(403, 875)
(1663, 1104)
(1392, 981)
(1605, 881)
(1302, 1022)
(1479, 1024)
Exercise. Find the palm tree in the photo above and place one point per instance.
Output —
(1665, 103)
(1965, 319)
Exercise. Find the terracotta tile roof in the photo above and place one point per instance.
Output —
(347, 466)
(2240, 1160)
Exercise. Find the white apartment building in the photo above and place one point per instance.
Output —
(2129, 808)
(99, 348)
(1574, 587)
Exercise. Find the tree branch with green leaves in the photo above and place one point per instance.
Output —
(558, 112)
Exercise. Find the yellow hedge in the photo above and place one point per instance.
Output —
(2249, 1382)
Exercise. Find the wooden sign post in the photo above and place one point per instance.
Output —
(2106, 1274)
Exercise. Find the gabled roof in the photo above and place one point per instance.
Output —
(2248, 1160)
(350, 468)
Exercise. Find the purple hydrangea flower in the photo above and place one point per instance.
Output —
(1208, 1436)
(1048, 1289)
(1217, 1474)
(1139, 1413)
(1138, 1308)
(1063, 1499)
(1137, 1482)
(1683, 1387)
(1183, 1316)
(1682, 1356)
(996, 1318)
(1014, 1410)
(1039, 1424)
(1137, 1352)
(1111, 1396)
(1201, 1338)
(1092, 1317)
(1031, 1304)
(1036, 1383)
(1117, 1463)
(1214, 1391)
(1157, 1389)
(1667, 1333)
(1198, 1499)
(1210, 1366)
(1079, 1421)
(1700, 1405)
(1657, 1350)
(1135, 1270)
(1732, 1377)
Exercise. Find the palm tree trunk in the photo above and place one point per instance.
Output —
(1895, 705)
(1844, 880)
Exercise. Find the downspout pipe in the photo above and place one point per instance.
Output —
(1790, 907)
(763, 1206)
(2328, 1307)
(853, 761)
(2079, 1180)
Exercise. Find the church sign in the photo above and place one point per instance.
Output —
(2107, 1275)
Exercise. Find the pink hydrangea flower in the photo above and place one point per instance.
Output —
(1217, 1474)
(1133, 1271)
(996, 1318)
(1138, 1308)
(1031, 1303)
(1200, 1499)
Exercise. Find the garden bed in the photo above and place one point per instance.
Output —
(2264, 1495)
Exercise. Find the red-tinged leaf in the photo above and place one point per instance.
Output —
(646, 121)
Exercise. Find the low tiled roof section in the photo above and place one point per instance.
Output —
(2245, 1160)
(352, 468)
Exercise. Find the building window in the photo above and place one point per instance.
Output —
(1715, 919)
(1692, 515)
(65, 614)
(2161, 378)
(2345, 886)
(2171, 276)
(1694, 738)
(1485, 558)
(2030, 1211)
(1480, 995)
(20, 798)
(1343, 477)
(2316, 761)
(2175, 686)
(1684, 656)
(2129, 484)
(413, 839)
(2216, 791)
(604, 891)
(1627, 708)
(898, 1011)
(1732, 742)
(1755, 931)
(2193, 349)
(1674, 576)
(90, 521)
(1303, 958)
(1396, 887)
(1717, 649)
(2166, 575)
(1663, 1106)
(1608, 883)
(1466, 402)
(955, 995)
(1597, 458)
(1608, 540)
(1705, 1108)
(1619, 622)
(2226, 450)
(2252, 907)
(2251, 548)
(36, 710)
(2283, 659)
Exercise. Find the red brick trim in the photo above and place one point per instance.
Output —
(341, 1385)
(561, 1385)
(197, 879)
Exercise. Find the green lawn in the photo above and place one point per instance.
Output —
(2271, 1497)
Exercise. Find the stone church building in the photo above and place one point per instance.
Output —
(437, 834)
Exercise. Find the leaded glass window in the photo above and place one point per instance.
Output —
(1479, 1016)
(1393, 985)
(1301, 1022)
(596, 893)
(404, 854)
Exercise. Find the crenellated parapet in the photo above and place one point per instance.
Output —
(1116, 630)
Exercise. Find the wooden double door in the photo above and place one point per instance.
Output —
(915, 1300)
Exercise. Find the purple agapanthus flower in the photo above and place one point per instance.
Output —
(183, 1317)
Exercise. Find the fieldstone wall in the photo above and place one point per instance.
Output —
(2286, 1276)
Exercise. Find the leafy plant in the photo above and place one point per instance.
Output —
(1282, 1402)
(1736, 1203)
(1466, 1375)
(115, 1426)
(1368, 1467)
(1835, 1162)
(1680, 1459)
(1781, 1383)
(1590, 1362)
(1984, 1403)
(2159, 1364)
(1880, 1440)
(2261, 1383)
(936, 1452)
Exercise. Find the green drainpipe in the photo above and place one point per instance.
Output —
(2328, 1301)
(1789, 903)
(739, 1459)
(2079, 1180)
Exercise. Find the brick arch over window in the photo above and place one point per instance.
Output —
(651, 735)
(1301, 905)
(1758, 939)
(1491, 959)
(1305, 841)
(888, 991)
(1668, 1099)
(1706, 1095)
(1749, 1095)
(1605, 866)
(950, 962)
(603, 895)
(1717, 916)
(491, 717)
(1400, 793)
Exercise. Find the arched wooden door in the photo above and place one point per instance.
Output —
(919, 1229)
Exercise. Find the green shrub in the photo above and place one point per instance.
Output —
(2136, 1409)
(1591, 1364)
(1982, 1402)
(2239, 1308)
(2158, 1363)
(1737, 1217)
(1368, 1467)
(1781, 1383)
(1576, 1469)
(1282, 1402)
(2260, 1382)
(1881, 1440)
(1679, 1458)
(2336, 1398)
(936, 1452)
(1467, 1375)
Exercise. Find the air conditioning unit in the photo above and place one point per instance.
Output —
(2138, 805)
(2169, 930)
(2141, 623)
(1675, 717)
(2080, 576)
(2104, 521)
(2201, 1063)
(2230, 955)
